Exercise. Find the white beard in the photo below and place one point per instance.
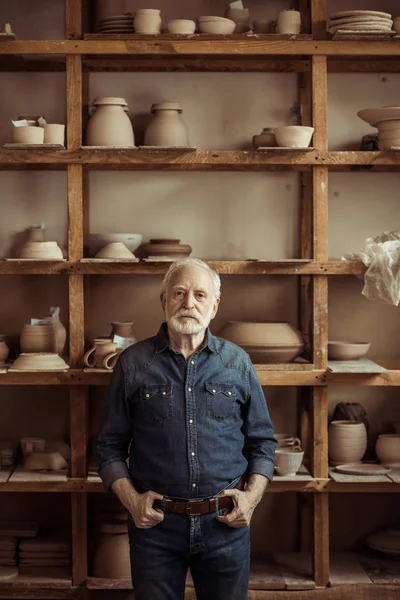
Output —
(190, 327)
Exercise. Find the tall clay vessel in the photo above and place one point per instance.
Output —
(166, 127)
(347, 442)
(110, 125)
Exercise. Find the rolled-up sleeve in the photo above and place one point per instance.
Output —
(260, 444)
(111, 445)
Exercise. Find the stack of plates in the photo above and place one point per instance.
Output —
(8, 551)
(116, 24)
(360, 21)
(386, 541)
(45, 552)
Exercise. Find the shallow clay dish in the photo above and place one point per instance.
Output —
(373, 116)
(39, 361)
(273, 354)
(261, 333)
(163, 247)
(339, 350)
(362, 469)
(361, 13)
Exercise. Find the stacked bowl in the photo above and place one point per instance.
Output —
(216, 25)
(387, 121)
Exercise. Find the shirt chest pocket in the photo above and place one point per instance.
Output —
(221, 399)
(156, 402)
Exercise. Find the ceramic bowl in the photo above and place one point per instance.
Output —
(265, 138)
(387, 135)
(261, 333)
(164, 247)
(217, 27)
(28, 135)
(212, 18)
(340, 350)
(388, 125)
(95, 241)
(41, 250)
(40, 361)
(294, 136)
(181, 27)
(288, 461)
(239, 15)
(388, 448)
(273, 354)
(374, 116)
(115, 250)
(262, 26)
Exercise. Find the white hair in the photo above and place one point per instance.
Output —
(183, 263)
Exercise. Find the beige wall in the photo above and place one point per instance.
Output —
(227, 216)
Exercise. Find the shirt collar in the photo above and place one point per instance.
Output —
(162, 339)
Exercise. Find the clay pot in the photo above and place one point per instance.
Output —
(97, 241)
(347, 350)
(240, 16)
(293, 136)
(60, 334)
(28, 134)
(54, 134)
(111, 557)
(181, 27)
(4, 352)
(39, 361)
(216, 25)
(287, 441)
(122, 328)
(265, 138)
(59, 446)
(115, 250)
(37, 338)
(147, 21)
(288, 461)
(45, 460)
(41, 251)
(36, 233)
(388, 448)
(289, 21)
(32, 444)
(102, 355)
(110, 125)
(262, 26)
(165, 247)
(166, 127)
(347, 442)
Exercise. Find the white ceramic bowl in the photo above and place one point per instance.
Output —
(28, 134)
(217, 27)
(95, 241)
(294, 136)
(340, 350)
(181, 27)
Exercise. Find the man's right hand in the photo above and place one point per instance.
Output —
(142, 511)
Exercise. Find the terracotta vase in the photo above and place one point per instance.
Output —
(166, 127)
(388, 448)
(111, 556)
(37, 338)
(122, 328)
(102, 355)
(147, 21)
(347, 442)
(110, 125)
(4, 352)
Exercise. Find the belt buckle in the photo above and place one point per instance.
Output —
(188, 509)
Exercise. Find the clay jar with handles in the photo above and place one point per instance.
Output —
(109, 125)
(347, 442)
(102, 355)
(147, 21)
(166, 127)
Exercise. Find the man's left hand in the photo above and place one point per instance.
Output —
(241, 513)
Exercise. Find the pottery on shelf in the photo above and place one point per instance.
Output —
(47, 460)
(388, 448)
(96, 241)
(293, 136)
(347, 442)
(285, 440)
(41, 251)
(4, 352)
(288, 461)
(167, 247)
(288, 22)
(338, 350)
(181, 27)
(111, 556)
(102, 355)
(37, 338)
(58, 445)
(54, 133)
(122, 328)
(265, 138)
(166, 127)
(36, 233)
(240, 16)
(147, 21)
(28, 134)
(116, 251)
(32, 444)
(39, 361)
(267, 342)
(60, 334)
(262, 26)
(377, 117)
(109, 125)
(216, 25)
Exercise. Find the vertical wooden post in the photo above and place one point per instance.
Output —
(73, 19)
(318, 19)
(305, 11)
(321, 539)
(79, 538)
(319, 457)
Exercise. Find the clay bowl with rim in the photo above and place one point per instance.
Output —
(41, 250)
(39, 361)
(96, 241)
(388, 448)
(181, 27)
(225, 27)
(160, 247)
(274, 353)
(340, 350)
(28, 134)
(262, 333)
(294, 136)
(115, 250)
(265, 138)
(374, 116)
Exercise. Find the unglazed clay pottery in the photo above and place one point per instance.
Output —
(32, 444)
(147, 21)
(347, 442)
(374, 116)
(262, 26)
(388, 144)
(288, 22)
(102, 354)
(115, 250)
(28, 134)
(37, 338)
(362, 469)
(338, 350)
(122, 328)
(54, 133)
(108, 8)
(41, 251)
(4, 352)
(181, 27)
(96, 241)
(220, 27)
(39, 361)
(109, 125)
(111, 557)
(241, 16)
(165, 247)
(390, 134)
(288, 461)
(36, 233)
(166, 127)
(45, 460)
(60, 334)
(287, 441)
(59, 446)
(385, 540)
(388, 448)
(294, 136)
(265, 139)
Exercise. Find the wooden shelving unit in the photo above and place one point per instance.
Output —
(311, 57)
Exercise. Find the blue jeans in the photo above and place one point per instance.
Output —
(218, 557)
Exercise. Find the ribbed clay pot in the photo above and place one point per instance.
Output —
(388, 448)
(109, 125)
(147, 21)
(111, 557)
(37, 338)
(166, 127)
(347, 442)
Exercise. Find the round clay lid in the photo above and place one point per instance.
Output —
(109, 100)
(166, 106)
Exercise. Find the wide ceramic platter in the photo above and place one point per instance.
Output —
(374, 115)
(365, 13)
(362, 469)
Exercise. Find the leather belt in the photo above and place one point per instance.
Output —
(194, 508)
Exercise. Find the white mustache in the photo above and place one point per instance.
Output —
(187, 314)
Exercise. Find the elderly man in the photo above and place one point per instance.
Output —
(189, 410)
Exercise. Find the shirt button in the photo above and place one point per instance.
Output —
(147, 395)
(229, 393)
(193, 485)
(165, 393)
(192, 362)
(193, 454)
(189, 389)
(213, 391)
(191, 421)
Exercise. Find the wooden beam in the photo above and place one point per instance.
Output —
(74, 102)
(73, 19)
(200, 64)
(318, 19)
(79, 539)
(76, 320)
(319, 457)
(79, 399)
(319, 84)
(75, 212)
(305, 11)
(321, 540)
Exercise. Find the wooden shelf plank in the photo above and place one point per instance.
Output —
(362, 365)
(343, 478)
(346, 569)
(30, 578)
(21, 475)
(296, 570)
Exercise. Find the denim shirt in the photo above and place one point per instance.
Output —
(190, 428)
